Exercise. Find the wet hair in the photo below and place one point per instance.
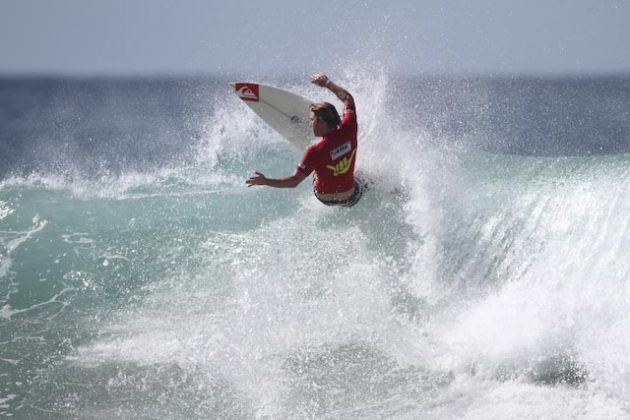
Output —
(325, 111)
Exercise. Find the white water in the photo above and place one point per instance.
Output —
(491, 287)
(463, 285)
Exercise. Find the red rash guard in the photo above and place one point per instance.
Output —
(332, 158)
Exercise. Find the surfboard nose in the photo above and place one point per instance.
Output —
(286, 112)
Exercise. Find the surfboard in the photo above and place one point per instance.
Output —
(284, 111)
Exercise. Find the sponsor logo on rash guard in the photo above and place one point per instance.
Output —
(342, 166)
(340, 151)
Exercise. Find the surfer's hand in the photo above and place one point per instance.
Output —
(319, 79)
(258, 179)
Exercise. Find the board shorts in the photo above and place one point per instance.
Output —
(354, 198)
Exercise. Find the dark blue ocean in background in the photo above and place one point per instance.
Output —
(485, 274)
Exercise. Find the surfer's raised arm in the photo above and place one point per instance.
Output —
(320, 79)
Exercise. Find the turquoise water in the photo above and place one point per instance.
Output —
(467, 283)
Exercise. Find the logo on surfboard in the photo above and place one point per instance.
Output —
(247, 91)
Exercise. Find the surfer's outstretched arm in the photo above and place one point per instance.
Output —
(320, 79)
(286, 182)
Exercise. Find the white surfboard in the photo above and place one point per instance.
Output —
(284, 111)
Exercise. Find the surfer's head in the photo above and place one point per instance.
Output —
(324, 112)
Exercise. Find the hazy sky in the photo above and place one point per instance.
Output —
(268, 36)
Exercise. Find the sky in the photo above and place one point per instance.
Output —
(425, 37)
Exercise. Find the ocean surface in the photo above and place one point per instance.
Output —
(484, 275)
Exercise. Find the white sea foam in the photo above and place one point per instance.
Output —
(12, 240)
(5, 210)
(461, 286)
(132, 185)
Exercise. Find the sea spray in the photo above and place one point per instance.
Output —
(466, 283)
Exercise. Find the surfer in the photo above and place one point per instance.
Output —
(332, 158)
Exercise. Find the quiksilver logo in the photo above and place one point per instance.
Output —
(246, 93)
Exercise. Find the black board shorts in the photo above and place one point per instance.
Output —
(351, 201)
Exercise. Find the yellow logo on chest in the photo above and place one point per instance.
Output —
(343, 165)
